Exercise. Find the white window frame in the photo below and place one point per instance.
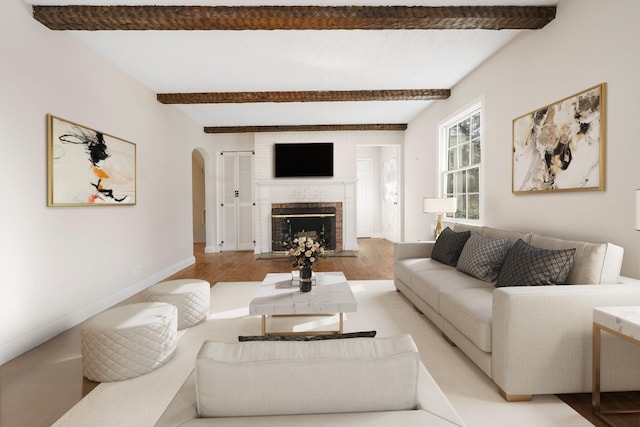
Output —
(443, 137)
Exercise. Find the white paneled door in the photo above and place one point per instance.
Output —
(364, 190)
(390, 198)
(236, 195)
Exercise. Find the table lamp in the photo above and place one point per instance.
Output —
(439, 205)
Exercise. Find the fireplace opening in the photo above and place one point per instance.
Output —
(297, 220)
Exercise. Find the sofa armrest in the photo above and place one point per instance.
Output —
(183, 406)
(433, 400)
(404, 250)
(542, 339)
(182, 411)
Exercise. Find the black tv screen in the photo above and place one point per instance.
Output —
(312, 159)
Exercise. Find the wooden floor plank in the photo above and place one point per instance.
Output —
(581, 403)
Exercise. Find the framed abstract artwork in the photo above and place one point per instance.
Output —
(87, 167)
(561, 147)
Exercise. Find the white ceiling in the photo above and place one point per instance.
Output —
(239, 61)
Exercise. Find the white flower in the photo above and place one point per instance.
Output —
(304, 250)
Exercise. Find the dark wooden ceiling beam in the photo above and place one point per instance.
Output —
(94, 18)
(306, 128)
(304, 96)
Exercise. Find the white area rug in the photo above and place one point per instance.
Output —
(140, 401)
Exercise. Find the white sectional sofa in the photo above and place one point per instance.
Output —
(337, 382)
(528, 339)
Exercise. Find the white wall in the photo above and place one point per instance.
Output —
(589, 42)
(262, 143)
(340, 188)
(63, 264)
(345, 144)
(210, 149)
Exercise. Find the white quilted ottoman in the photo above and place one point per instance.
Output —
(128, 341)
(191, 296)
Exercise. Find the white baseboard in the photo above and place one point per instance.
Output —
(55, 327)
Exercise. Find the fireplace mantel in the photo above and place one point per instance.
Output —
(294, 190)
(304, 181)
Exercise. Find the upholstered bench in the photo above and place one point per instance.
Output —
(128, 341)
(190, 296)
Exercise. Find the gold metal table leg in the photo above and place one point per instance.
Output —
(595, 375)
(307, 333)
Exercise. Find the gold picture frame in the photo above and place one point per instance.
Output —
(87, 167)
(561, 147)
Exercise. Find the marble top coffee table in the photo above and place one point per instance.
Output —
(623, 322)
(275, 297)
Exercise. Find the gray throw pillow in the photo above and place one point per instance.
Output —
(482, 257)
(449, 245)
(526, 265)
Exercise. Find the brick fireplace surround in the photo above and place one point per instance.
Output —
(339, 193)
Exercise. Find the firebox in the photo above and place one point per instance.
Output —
(304, 219)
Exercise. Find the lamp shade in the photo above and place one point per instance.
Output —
(638, 209)
(439, 204)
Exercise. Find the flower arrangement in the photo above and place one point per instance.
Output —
(304, 251)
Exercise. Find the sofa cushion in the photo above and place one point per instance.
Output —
(594, 262)
(526, 265)
(430, 284)
(404, 268)
(261, 378)
(449, 245)
(470, 312)
(482, 257)
(460, 226)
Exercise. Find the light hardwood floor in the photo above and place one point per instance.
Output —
(42, 384)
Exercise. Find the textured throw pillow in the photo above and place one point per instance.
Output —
(526, 265)
(482, 257)
(366, 334)
(449, 245)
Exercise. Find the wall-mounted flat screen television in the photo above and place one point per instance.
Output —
(297, 160)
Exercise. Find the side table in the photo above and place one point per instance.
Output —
(622, 322)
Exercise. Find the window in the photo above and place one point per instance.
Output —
(462, 155)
